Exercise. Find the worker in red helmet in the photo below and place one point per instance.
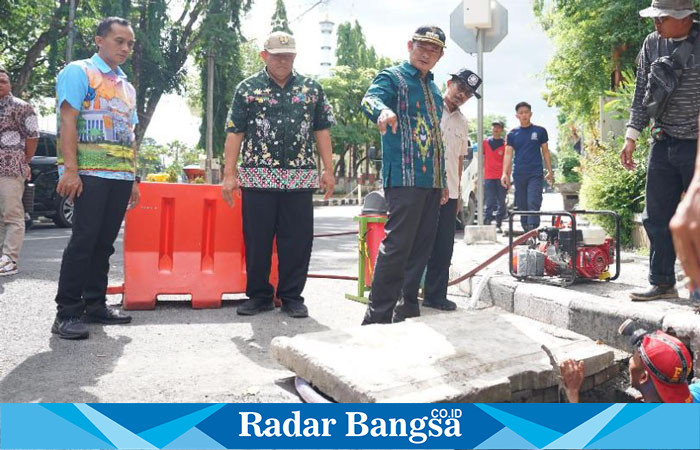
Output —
(660, 369)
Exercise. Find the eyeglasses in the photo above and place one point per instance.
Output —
(660, 20)
(432, 50)
(463, 95)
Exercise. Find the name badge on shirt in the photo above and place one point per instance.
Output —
(534, 137)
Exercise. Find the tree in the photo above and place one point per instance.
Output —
(279, 18)
(164, 43)
(352, 51)
(488, 120)
(32, 42)
(595, 41)
(344, 91)
(357, 65)
(221, 36)
(31, 39)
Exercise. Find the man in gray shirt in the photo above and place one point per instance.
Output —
(674, 129)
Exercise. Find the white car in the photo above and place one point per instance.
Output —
(466, 209)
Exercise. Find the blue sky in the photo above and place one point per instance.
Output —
(512, 72)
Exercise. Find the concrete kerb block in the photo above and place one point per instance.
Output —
(500, 292)
(599, 318)
(548, 304)
(686, 325)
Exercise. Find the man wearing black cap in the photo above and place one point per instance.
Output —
(407, 107)
(668, 91)
(460, 88)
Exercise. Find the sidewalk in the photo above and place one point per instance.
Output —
(334, 201)
(594, 309)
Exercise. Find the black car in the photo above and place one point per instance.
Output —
(44, 169)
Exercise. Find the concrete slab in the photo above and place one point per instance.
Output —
(594, 309)
(480, 233)
(463, 356)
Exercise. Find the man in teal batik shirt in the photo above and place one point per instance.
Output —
(407, 106)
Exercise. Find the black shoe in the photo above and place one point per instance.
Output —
(499, 230)
(106, 316)
(297, 310)
(442, 305)
(254, 306)
(405, 311)
(654, 293)
(70, 328)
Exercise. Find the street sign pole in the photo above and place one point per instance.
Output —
(480, 129)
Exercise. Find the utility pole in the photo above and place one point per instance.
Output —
(71, 32)
(210, 118)
(480, 129)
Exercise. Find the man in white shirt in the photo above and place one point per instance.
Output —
(460, 88)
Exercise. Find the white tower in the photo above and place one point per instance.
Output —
(326, 35)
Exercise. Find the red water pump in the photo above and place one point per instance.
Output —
(566, 251)
(592, 258)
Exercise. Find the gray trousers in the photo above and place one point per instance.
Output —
(404, 252)
(11, 216)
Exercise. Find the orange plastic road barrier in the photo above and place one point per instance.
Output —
(182, 239)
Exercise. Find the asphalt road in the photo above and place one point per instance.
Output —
(170, 354)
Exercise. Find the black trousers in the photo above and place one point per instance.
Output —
(438, 271)
(97, 218)
(288, 216)
(671, 167)
(404, 252)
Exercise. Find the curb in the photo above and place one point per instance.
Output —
(591, 315)
(336, 202)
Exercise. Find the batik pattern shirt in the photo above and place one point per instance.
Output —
(278, 123)
(18, 122)
(414, 156)
(107, 105)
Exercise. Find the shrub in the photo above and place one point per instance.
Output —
(568, 167)
(609, 186)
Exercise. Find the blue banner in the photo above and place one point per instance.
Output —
(358, 426)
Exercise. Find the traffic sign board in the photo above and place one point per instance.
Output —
(466, 37)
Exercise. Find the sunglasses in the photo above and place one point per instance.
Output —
(660, 20)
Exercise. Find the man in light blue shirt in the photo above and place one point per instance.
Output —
(96, 108)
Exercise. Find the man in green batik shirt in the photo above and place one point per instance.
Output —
(276, 116)
(407, 107)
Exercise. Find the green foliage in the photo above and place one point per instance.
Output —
(595, 40)
(170, 158)
(32, 41)
(150, 158)
(279, 18)
(357, 65)
(221, 36)
(621, 99)
(352, 50)
(568, 166)
(607, 185)
(488, 120)
(344, 91)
